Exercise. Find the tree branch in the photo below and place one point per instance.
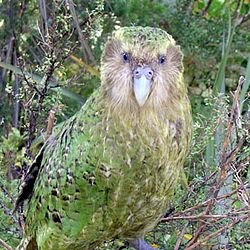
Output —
(5, 245)
(84, 45)
(204, 11)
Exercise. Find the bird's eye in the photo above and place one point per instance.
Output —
(162, 59)
(125, 56)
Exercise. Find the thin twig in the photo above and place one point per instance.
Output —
(204, 11)
(5, 245)
(224, 166)
(208, 216)
(232, 116)
(85, 47)
(178, 242)
(50, 123)
(212, 235)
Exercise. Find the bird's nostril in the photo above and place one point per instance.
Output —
(146, 71)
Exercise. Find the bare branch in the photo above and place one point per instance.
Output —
(229, 165)
(216, 233)
(50, 123)
(5, 245)
(178, 242)
(84, 45)
(202, 216)
(204, 11)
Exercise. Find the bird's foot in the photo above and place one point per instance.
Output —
(140, 244)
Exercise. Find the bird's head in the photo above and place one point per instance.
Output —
(142, 70)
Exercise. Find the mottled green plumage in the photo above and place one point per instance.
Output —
(109, 172)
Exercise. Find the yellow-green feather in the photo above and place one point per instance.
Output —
(104, 175)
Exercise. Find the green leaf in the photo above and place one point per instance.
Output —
(245, 86)
(219, 85)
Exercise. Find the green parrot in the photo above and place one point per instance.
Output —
(110, 170)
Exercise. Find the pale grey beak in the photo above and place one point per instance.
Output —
(142, 84)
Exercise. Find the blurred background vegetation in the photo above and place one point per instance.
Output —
(49, 60)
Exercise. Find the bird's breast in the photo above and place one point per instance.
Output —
(138, 168)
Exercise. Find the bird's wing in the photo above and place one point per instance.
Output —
(64, 193)
(27, 184)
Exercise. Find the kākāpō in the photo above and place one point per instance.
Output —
(110, 170)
